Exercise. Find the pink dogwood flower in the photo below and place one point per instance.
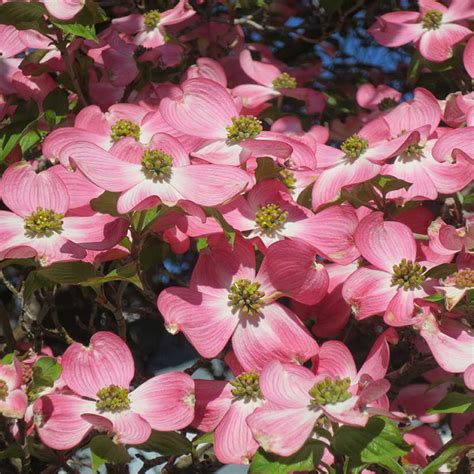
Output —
(271, 215)
(429, 177)
(393, 280)
(227, 299)
(381, 98)
(39, 225)
(149, 30)
(291, 126)
(454, 287)
(223, 407)
(450, 342)
(64, 9)
(273, 82)
(416, 399)
(99, 378)
(297, 397)
(446, 239)
(104, 129)
(455, 144)
(359, 159)
(425, 442)
(468, 57)
(332, 313)
(434, 30)
(160, 172)
(13, 400)
(204, 109)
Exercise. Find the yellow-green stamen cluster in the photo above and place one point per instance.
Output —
(113, 399)
(246, 386)
(125, 128)
(287, 178)
(43, 223)
(151, 19)
(284, 81)
(3, 390)
(330, 391)
(354, 146)
(243, 128)
(464, 278)
(245, 295)
(408, 274)
(387, 104)
(270, 217)
(414, 150)
(157, 164)
(432, 20)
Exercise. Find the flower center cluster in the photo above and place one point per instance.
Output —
(3, 390)
(151, 19)
(125, 128)
(270, 217)
(288, 179)
(464, 278)
(330, 391)
(284, 81)
(408, 274)
(432, 20)
(243, 128)
(387, 104)
(43, 223)
(157, 164)
(354, 146)
(245, 295)
(414, 150)
(112, 398)
(246, 386)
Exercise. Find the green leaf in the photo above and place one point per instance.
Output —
(41, 452)
(388, 183)
(378, 442)
(126, 273)
(153, 251)
(34, 281)
(13, 451)
(24, 118)
(7, 359)
(68, 273)
(91, 14)
(24, 16)
(306, 459)
(454, 402)
(167, 443)
(29, 140)
(229, 231)
(45, 372)
(202, 243)
(57, 101)
(104, 450)
(414, 70)
(434, 298)
(444, 457)
(76, 29)
(441, 271)
(206, 438)
(106, 203)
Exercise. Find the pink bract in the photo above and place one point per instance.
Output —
(102, 372)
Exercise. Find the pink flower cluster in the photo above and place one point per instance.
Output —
(302, 236)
